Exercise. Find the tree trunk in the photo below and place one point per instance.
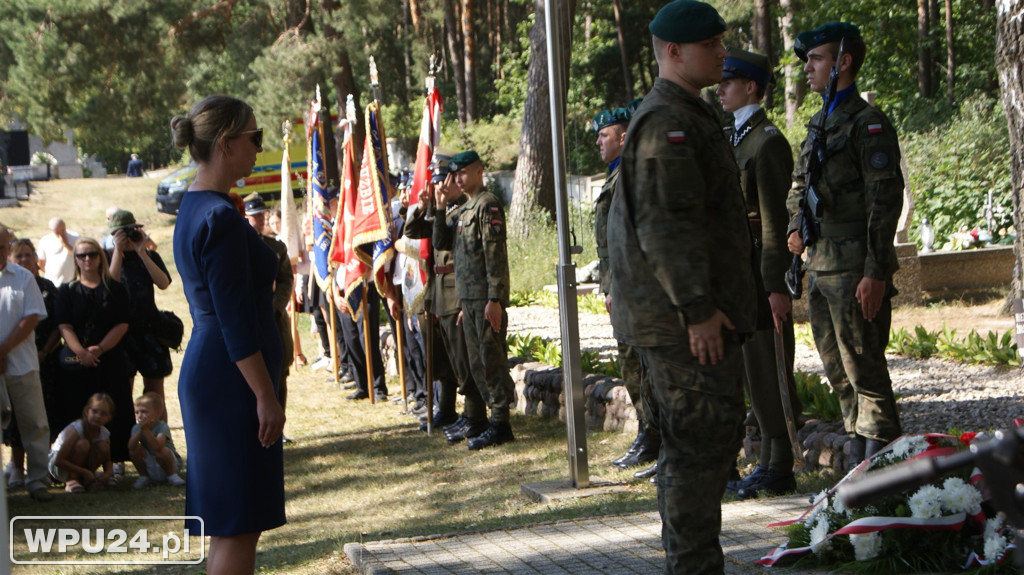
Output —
(626, 76)
(415, 15)
(534, 185)
(763, 37)
(469, 54)
(950, 56)
(791, 72)
(1010, 67)
(924, 59)
(455, 51)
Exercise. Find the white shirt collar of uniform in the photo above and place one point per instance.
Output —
(743, 114)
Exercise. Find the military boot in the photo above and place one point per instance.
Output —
(855, 453)
(734, 486)
(771, 482)
(873, 446)
(472, 428)
(640, 439)
(646, 453)
(647, 472)
(496, 434)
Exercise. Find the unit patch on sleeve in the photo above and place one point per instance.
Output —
(879, 160)
(874, 128)
(676, 136)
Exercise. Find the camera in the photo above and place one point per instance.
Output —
(134, 234)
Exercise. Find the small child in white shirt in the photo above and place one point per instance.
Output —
(150, 445)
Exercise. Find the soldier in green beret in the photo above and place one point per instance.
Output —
(683, 286)
(765, 161)
(476, 235)
(850, 266)
(610, 126)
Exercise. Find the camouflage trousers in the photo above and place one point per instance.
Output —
(700, 412)
(453, 340)
(761, 375)
(633, 376)
(488, 358)
(852, 351)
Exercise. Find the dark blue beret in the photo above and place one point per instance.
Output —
(685, 21)
(747, 65)
(826, 33)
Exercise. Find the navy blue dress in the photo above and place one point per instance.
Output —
(235, 484)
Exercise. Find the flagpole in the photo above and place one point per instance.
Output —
(428, 341)
(399, 328)
(335, 360)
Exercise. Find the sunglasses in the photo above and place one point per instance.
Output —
(87, 255)
(256, 138)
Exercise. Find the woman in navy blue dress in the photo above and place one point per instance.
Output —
(227, 384)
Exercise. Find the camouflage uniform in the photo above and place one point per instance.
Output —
(629, 359)
(765, 160)
(679, 249)
(476, 235)
(861, 189)
(283, 284)
(440, 300)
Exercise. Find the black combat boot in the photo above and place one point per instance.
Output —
(458, 423)
(647, 472)
(472, 428)
(496, 434)
(771, 482)
(440, 420)
(873, 446)
(640, 438)
(735, 485)
(646, 453)
(855, 452)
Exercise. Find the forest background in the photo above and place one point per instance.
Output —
(115, 72)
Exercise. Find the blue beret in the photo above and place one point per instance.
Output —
(826, 33)
(606, 118)
(747, 65)
(462, 159)
(685, 21)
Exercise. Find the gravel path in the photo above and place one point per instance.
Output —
(935, 395)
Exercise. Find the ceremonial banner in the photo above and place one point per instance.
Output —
(290, 234)
(373, 227)
(430, 139)
(322, 228)
(354, 261)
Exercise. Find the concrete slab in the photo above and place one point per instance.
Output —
(548, 491)
(618, 544)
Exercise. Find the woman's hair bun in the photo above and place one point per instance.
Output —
(181, 131)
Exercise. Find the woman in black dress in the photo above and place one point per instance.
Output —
(92, 315)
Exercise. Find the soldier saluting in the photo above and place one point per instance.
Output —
(859, 192)
(476, 236)
(686, 306)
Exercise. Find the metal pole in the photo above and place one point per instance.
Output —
(572, 373)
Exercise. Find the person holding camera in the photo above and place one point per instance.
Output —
(139, 268)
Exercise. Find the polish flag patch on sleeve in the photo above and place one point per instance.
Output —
(676, 136)
(874, 128)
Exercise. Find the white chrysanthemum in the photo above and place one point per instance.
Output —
(994, 547)
(816, 509)
(992, 526)
(866, 546)
(819, 536)
(959, 496)
(927, 502)
(838, 507)
(907, 447)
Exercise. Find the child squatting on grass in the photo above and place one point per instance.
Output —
(150, 446)
(83, 446)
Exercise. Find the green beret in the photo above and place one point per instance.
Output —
(747, 65)
(462, 159)
(606, 118)
(830, 32)
(632, 106)
(685, 21)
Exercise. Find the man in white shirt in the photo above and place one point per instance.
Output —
(56, 253)
(21, 308)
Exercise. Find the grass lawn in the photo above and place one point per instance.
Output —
(355, 472)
